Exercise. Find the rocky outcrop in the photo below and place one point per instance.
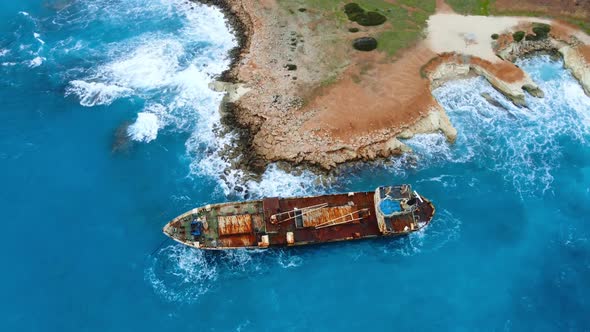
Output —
(568, 46)
(436, 120)
(512, 84)
(282, 66)
(576, 63)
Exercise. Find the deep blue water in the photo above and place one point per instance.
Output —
(84, 195)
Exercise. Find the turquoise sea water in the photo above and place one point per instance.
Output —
(106, 132)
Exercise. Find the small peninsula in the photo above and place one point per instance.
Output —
(327, 82)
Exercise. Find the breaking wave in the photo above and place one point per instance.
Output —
(171, 71)
(182, 274)
(523, 144)
(166, 66)
(145, 128)
(96, 93)
(36, 62)
(444, 228)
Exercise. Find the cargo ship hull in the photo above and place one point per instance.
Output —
(283, 222)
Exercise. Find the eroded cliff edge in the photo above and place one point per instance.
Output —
(298, 91)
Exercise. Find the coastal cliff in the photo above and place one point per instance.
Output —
(298, 92)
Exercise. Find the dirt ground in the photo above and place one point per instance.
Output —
(572, 8)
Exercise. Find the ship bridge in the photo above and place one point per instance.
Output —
(395, 207)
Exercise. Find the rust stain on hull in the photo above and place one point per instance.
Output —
(235, 224)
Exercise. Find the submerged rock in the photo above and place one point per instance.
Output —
(533, 91)
(365, 44)
(121, 140)
(492, 101)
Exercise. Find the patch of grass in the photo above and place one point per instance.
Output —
(582, 23)
(487, 7)
(329, 80)
(470, 7)
(403, 27)
(394, 41)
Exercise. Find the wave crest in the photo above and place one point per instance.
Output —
(96, 93)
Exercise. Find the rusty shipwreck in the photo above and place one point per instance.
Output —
(281, 222)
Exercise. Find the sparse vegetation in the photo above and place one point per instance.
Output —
(470, 7)
(488, 7)
(518, 36)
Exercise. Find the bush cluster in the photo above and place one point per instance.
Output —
(365, 44)
(495, 36)
(541, 31)
(518, 36)
(356, 14)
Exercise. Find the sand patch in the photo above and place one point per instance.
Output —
(470, 35)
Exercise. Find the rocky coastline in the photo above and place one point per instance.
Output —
(274, 128)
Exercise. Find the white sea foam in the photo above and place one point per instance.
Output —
(96, 93)
(443, 229)
(150, 66)
(38, 38)
(519, 143)
(182, 274)
(288, 260)
(173, 70)
(4, 52)
(36, 62)
(277, 182)
(145, 128)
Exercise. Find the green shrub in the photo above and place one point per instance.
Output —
(365, 44)
(352, 9)
(495, 36)
(518, 36)
(371, 19)
(356, 14)
(541, 30)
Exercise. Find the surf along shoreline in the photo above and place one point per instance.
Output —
(265, 137)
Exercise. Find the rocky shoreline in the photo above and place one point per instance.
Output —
(240, 24)
(272, 127)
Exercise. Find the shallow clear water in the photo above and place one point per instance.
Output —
(106, 132)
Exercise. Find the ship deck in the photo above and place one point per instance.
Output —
(243, 224)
